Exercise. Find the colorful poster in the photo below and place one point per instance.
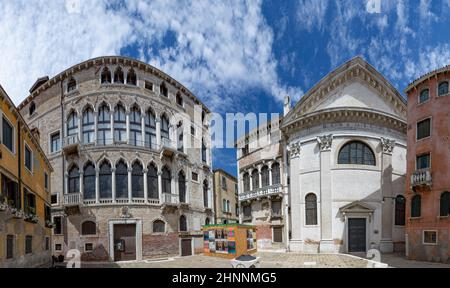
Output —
(231, 247)
(206, 236)
(231, 235)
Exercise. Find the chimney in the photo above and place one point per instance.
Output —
(287, 105)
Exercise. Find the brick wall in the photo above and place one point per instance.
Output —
(157, 246)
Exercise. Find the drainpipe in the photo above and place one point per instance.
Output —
(19, 162)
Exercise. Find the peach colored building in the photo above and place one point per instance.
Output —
(428, 164)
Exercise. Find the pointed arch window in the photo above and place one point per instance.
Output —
(71, 85)
(246, 182)
(180, 134)
(265, 176)
(182, 187)
(163, 90)
(106, 76)
(205, 194)
(207, 221)
(32, 108)
(104, 126)
(88, 126)
(204, 151)
(445, 204)
(74, 180)
(121, 180)
(166, 181)
(105, 180)
(416, 206)
(152, 182)
(311, 209)
(400, 210)
(356, 153)
(255, 179)
(443, 88)
(89, 182)
(72, 125)
(165, 130)
(135, 127)
(118, 76)
(180, 99)
(183, 224)
(120, 124)
(131, 77)
(137, 180)
(276, 174)
(150, 130)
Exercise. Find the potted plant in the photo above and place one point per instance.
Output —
(17, 213)
(49, 224)
(3, 204)
(30, 215)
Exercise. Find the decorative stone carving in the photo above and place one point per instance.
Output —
(325, 142)
(388, 145)
(125, 213)
(294, 150)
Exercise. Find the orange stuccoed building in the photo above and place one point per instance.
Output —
(428, 166)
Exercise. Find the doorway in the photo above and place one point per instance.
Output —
(278, 234)
(125, 242)
(357, 241)
(186, 247)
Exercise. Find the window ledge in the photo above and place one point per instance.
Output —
(415, 218)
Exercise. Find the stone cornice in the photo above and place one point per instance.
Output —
(418, 81)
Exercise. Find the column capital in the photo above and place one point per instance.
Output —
(145, 171)
(388, 145)
(294, 150)
(325, 142)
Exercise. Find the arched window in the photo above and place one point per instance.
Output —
(166, 180)
(131, 77)
(224, 205)
(152, 182)
(106, 76)
(180, 137)
(179, 99)
(104, 126)
(443, 89)
(311, 209)
(445, 204)
(105, 180)
(265, 176)
(32, 108)
(72, 125)
(120, 124)
(135, 127)
(137, 183)
(182, 187)
(121, 180)
(89, 182)
(207, 221)
(205, 194)
(88, 228)
(276, 178)
(400, 210)
(71, 85)
(118, 75)
(246, 182)
(163, 90)
(183, 224)
(416, 206)
(204, 149)
(255, 179)
(424, 96)
(150, 130)
(356, 153)
(88, 126)
(165, 130)
(74, 180)
(159, 226)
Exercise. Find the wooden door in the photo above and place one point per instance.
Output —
(186, 247)
(278, 234)
(124, 242)
(357, 235)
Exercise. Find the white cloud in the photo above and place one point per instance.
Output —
(430, 58)
(218, 46)
(311, 14)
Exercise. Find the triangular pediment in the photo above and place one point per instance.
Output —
(357, 207)
(354, 85)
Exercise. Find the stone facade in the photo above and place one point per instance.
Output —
(428, 165)
(225, 198)
(129, 146)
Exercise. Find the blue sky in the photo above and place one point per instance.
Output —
(236, 56)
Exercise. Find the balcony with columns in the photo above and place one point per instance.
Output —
(421, 180)
(71, 144)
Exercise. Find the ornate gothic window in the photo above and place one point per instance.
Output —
(152, 182)
(71, 85)
(137, 183)
(204, 152)
(443, 88)
(135, 127)
(416, 206)
(183, 224)
(118, 75)
(88, 126)
(150, 130)
(255, 179)
(88, 228)
(400, 205)
(182, 187)
(265, 176)
(120, 124)
(121, 180)
(356, 153)
(166, 181)
(276, 174)
(311, 209)
(205, 194)
(89, 181)
(105, 180)
(106, 76)
(445, 204)
(246, 182)
(131, 77)
(165, 130)
(72, 125)
(104, 126)
(74, 180)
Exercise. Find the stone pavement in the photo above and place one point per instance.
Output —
(400, 261)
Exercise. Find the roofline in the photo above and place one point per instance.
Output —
(254, 130)
(220, 170)
(25, 125)
(426, 77)
(80, 66)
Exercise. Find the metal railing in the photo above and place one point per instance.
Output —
(261, 192)
(421, 177)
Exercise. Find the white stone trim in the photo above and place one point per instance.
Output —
(138, 224)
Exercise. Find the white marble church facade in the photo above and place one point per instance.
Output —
(346, 144)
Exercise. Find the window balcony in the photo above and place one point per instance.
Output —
(168, 147)
(275, 190)
(71, 144)
(421, 179)
(73, 199)
(171, 200)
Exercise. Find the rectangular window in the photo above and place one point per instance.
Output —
(46, 181)
(28, 158)
(58, 225)
(54, 199)
(424, 129)
(423, 162)
(47, 213)
(47, 243)
(28, 244)
(247, 212)
(30, 202)
(10, 190)
(58, 247)
(224, 183)
(194, 177)
(55, 143)
(8, 135)
(192, 130)
(430, 237)
(149, 85)
(88, 247)
(9, 247)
